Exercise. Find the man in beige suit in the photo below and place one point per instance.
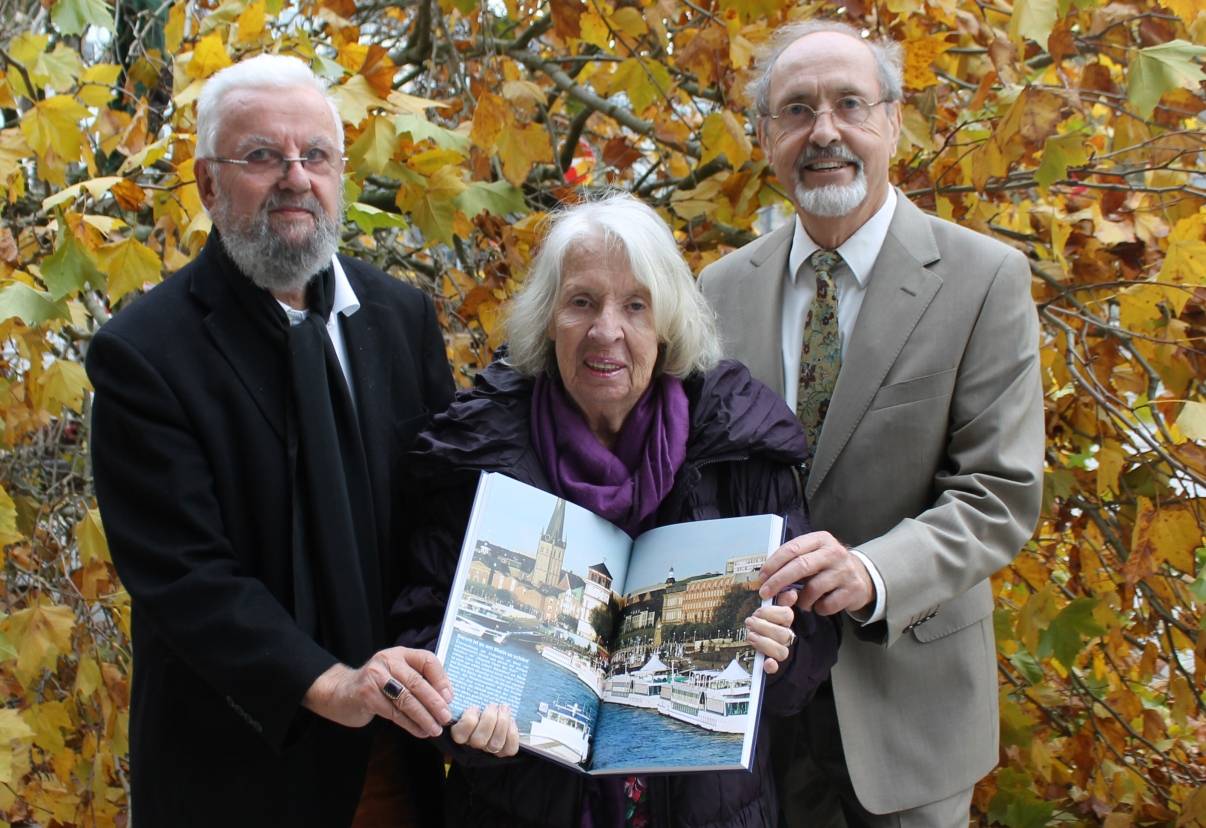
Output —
(912, 359)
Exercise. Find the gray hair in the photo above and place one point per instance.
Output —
(889, 59)
(259, 72)
(682, 318)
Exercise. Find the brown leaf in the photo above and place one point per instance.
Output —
(566, 17)
(8, 247)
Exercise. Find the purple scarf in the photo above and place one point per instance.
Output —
(627, 483)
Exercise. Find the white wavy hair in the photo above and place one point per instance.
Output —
(684, 322)
(259, 72)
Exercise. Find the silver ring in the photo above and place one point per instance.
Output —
(393, 689)
(792, 639)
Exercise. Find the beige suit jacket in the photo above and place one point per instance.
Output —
(930, 462)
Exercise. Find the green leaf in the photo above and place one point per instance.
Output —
(421, 129)
(61, 68)
(1016, 805)
(71, 17)
(1068, 631)
(1033, 19)
(30, 306)
(497, 197)
(69, 268)
(1157, 69)
(368, 218)
(1059, 153)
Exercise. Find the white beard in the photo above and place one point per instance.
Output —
(270, 261)
(833, 200)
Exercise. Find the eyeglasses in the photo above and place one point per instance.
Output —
(265, 162)
(850, 110)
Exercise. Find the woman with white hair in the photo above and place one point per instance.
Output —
(612, 395)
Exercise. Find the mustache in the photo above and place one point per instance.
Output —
(833, 152)
(278, 199)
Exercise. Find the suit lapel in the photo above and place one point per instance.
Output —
(900, 289)
(245, 342)
(762, 288)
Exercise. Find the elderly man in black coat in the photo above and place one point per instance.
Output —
(251, 418)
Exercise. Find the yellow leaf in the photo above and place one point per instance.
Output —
(87, 677)
(628, 21)
(173, 32)
(644, 81)
(40, 634)
(49, 722)
(723, 134)
(54, 125)
(13, 150)
(490, 117)
(209, 56)
(920, 54)
(400, 102)
(1033, 19)
(63, 385)
(8, 520)
(522, 147)
(13, 726)
(96, 84)
(96, 188)
(1192, 421)
(1185, 259)
(1188, 11)
(430, 202)
(59, 68)
(251, 23)
(1110, 461)
(130, 265)
(355, 98)
(373, 150)
(428, 161)
(594, 30)
(525, 95)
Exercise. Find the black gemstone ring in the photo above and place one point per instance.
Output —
(393, 689)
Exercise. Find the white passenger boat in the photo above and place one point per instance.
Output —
(644, 687)
(711, 699)
(582, 668)
(564, 730)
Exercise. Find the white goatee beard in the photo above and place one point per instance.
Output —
(269, 260)
(831, 200)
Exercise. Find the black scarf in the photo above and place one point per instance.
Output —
(336, 568)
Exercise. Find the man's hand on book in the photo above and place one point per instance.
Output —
(491, 730)
(769, 632)
(408, 687)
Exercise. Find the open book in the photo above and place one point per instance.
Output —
(614, 655)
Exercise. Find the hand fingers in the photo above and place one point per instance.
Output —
(787, 598)
(769, 644)
(791, 563)
(421, 702)
(464, 727)
(512, 744)
(770, 666)
(783, 615)
(428, 666)
(497, 740)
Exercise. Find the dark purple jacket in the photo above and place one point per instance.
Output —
(743, 452)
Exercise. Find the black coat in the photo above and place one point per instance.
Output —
(742, 447)
(192, 476)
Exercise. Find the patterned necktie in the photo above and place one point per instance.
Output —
(821, 356)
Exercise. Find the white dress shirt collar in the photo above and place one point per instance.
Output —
(859, 252)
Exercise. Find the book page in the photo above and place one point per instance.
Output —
(530, 613)
(683, 688)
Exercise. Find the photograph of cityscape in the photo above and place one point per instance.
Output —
(600, 676)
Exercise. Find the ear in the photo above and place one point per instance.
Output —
(895, 121)
(761, 133)
(206, 185)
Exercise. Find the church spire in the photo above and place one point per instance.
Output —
(556, 531)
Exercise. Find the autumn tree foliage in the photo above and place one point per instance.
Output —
(1071, 129)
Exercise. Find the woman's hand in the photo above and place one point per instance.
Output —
(491, 730)
(769, 631)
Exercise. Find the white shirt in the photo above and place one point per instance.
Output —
(858, 253)
(345, 303)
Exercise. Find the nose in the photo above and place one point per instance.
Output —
(824, 129)
(295, 176)
(606, 327)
